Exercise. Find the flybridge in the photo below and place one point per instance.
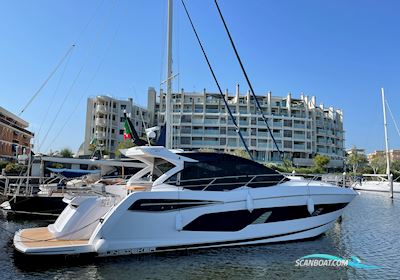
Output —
(147, 152)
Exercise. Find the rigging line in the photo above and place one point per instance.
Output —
(88, 86)
(48, 79)
(53, 98)
(85, 60)
(163, 44)
(89, 21)
(394, 120)
(248, 80)
(77, 40)
(216, 81)
(178, 49)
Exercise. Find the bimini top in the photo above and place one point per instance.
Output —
(72, 173)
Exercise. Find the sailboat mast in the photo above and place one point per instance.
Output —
(168, 99)
(386, 134)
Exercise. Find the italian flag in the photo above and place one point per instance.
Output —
(128, 131)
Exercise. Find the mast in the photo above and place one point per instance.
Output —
(386, 134)
(168, 99)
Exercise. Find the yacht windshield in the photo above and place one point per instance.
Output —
(161, 166)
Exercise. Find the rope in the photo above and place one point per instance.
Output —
(52, 101)
(77, 77)
(47, 80)
(216, 82)
(394, 120)
(248, 80)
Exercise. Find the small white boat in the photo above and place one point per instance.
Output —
(376, 186)
(379, 182)
(189, 200)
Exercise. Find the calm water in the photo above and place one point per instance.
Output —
(370, 230)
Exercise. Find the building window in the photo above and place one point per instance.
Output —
(121, 132)
(121, 119)
(185, 140)
(123, 107)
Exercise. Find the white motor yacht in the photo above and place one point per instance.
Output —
(189, 200)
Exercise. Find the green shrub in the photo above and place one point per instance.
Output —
(15, 168)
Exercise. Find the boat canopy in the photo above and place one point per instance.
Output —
(72, 173)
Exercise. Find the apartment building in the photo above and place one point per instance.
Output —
(15, 139)
(394, 155)
(301, 128)
(105, 121)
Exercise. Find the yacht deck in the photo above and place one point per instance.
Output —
(42, 237)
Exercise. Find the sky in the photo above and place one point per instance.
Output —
(342, 52)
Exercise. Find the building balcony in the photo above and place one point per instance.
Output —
(211, 121)
(100, 122)
(197, 132)
(269, 146)
(101, 109)
(100, 135)
(211, 111)
(302, 126)
(299, 137)
(299, 147)
(204, 143)
(197, 121)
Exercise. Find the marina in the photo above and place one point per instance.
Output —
(200, 184)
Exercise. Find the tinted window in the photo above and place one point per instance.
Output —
(160, 167)
(236, 171)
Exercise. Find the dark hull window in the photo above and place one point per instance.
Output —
(166, 204)
(236, 172)
(237, 220)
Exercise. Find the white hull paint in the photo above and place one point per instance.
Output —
(188, 201)
(125, 232)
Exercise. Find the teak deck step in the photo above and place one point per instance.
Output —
(39, 237)
(136, 188)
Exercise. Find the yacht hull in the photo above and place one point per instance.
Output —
(34, 205)
(158, 221)
(377, 186)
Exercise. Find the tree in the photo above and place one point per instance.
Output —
(207, 150)
(377, 163)
(239, 153)
(395, 166)
(57, 165)
(92, 147)
(125, 144)
(321, 161)
(66, 153)
(356, 159)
